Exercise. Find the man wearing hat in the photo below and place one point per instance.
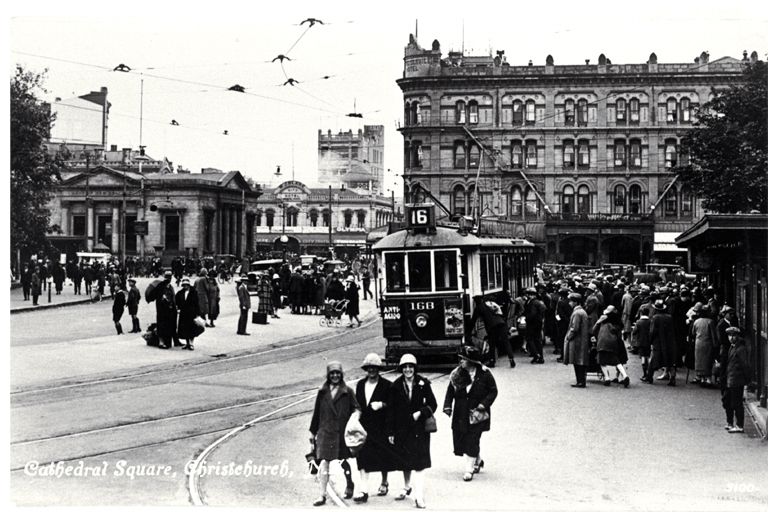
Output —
(563, 311)
(534, 322)
(663, 346)
(737, 375)
(728, 319)
(495, 327)
(165, 306)
(577, 342)
(134, 297)
(118, 306)
(189, 309)
(244, 300)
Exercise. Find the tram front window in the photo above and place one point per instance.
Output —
(446, 277)
(419, 272)
(395, 265)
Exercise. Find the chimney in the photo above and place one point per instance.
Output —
(113, 147)
(601, 63)
(586, 61)
(653, 65)
(549, 68)
(753, 57)
(704, 62)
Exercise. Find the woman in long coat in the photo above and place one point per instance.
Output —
(705, 341)
(264, 292)
(319, 298)
(214, 298)
(34, 286)
(334, 405)
(352, 295)
(411, 401)
(201, 288)
(472, 387)
(189, 309)
(610, 347)
(577, 341)
(372, 394)
(277, 298)
(663, 346)
(165, 306)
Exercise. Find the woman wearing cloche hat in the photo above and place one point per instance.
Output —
(375, 455)
(352, 295)
(411, 402)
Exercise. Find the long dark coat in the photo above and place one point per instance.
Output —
(213, 298)
(376, 453)
(134, 297)
(189, 309)
(35, 284)
(264, 292)
(737, 369)
(564, 310)
(352, 295)
(662, 336)
(296, 290)
(577, 342)
(411, 441)
(609, 339)
(329, 420)
(483, 391)
(335, 290)
(118, 306)
(165, 305)
(202, 288)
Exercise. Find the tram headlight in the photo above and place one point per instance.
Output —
(421, 320)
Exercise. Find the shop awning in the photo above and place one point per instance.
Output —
(665, 242)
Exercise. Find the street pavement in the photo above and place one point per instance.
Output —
(67, 297)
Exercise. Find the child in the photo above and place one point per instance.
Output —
(737, 374)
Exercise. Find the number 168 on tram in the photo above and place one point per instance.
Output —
(429, 272)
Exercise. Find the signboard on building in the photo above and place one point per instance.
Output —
(141, 227)
(292, 191)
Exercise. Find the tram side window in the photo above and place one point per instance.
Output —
(491, 276)
(446, 276)
(395, 265)
(419, 272)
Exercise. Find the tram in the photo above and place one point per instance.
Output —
(429, 272)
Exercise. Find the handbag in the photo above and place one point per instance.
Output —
(354, 433)
(430, 424)
(478, 416)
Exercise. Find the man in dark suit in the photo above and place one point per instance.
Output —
(244, 299)
(134, 297)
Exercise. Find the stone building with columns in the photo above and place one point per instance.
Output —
(580, 156)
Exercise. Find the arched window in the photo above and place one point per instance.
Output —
(471, 201)
(415, 113)
(361, 218)
(570, 112)
(670, 203)
(635, 154)
(582, 201)
(670, 153)
(634, 110)
(292, 217)
(686, 202)
(517, 112)
(326, 217)
(583, 154)
(270, 217)
(459, 156)
(517, 154)
(474, 115)
(620, 199)
(461, 112)
(530, 154)
(685, 110)
(621, 110)
(416, 153)
(474, 156)
(619, 154)
(568, 201)
(531, 204)
(407, 114)
(313, 215)
(581, 112)
(530, 111)
(635, 199)
(568, 154)
(671, 110)
(459, 200)
(347, 218)
(515, 202)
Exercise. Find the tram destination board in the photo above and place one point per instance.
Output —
(420, 217)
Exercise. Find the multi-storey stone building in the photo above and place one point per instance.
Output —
(581, 157)
(352, 160)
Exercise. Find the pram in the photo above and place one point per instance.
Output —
(333, 310)
(593, 367)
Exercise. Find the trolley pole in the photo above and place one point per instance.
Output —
(330, 220)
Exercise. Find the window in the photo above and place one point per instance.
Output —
(569, 113)
(582, 203)
(270, 218)
(670, 154)
(326, 218)
(530, 154)
(292, 217)
(517, 155)
(419, 272)
(671, 110)
(635, 199)
(417, 154)
(361, 218)
(635, 156)
(517, 112)
(172, 232)
(685, 110)
(406, 114)
(491, 276)
(446, 272)
(407, 155)
(313, 218)
(347, 218)
(461, 112)
(395, 271)
(621, 110)
(620, 199)
(459, 156)
(619, 154)
(473, 113)
(78, 225)
(634, 110)
(568, 156)
(459, 201)
(471, 201)
(670, 203)
(686, 202)
(415, 113)
(515, 203)
(258, 218)
(531, 204)
(581, 112)
(583, 154)
(530, 111)
(568, 200)
(474, 156)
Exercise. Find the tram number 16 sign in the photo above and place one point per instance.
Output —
(421, 217)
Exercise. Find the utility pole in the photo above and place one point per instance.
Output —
(330, 219)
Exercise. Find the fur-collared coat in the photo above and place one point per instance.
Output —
(411, 441)
(329, 420)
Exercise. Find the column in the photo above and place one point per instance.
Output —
(115, 230)
(141, 214)
(64, 223)
(240, 233)
(232, 231)
(224, 230)
(89, 220)
(182, 242)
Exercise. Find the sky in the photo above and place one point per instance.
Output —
(188, 54)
